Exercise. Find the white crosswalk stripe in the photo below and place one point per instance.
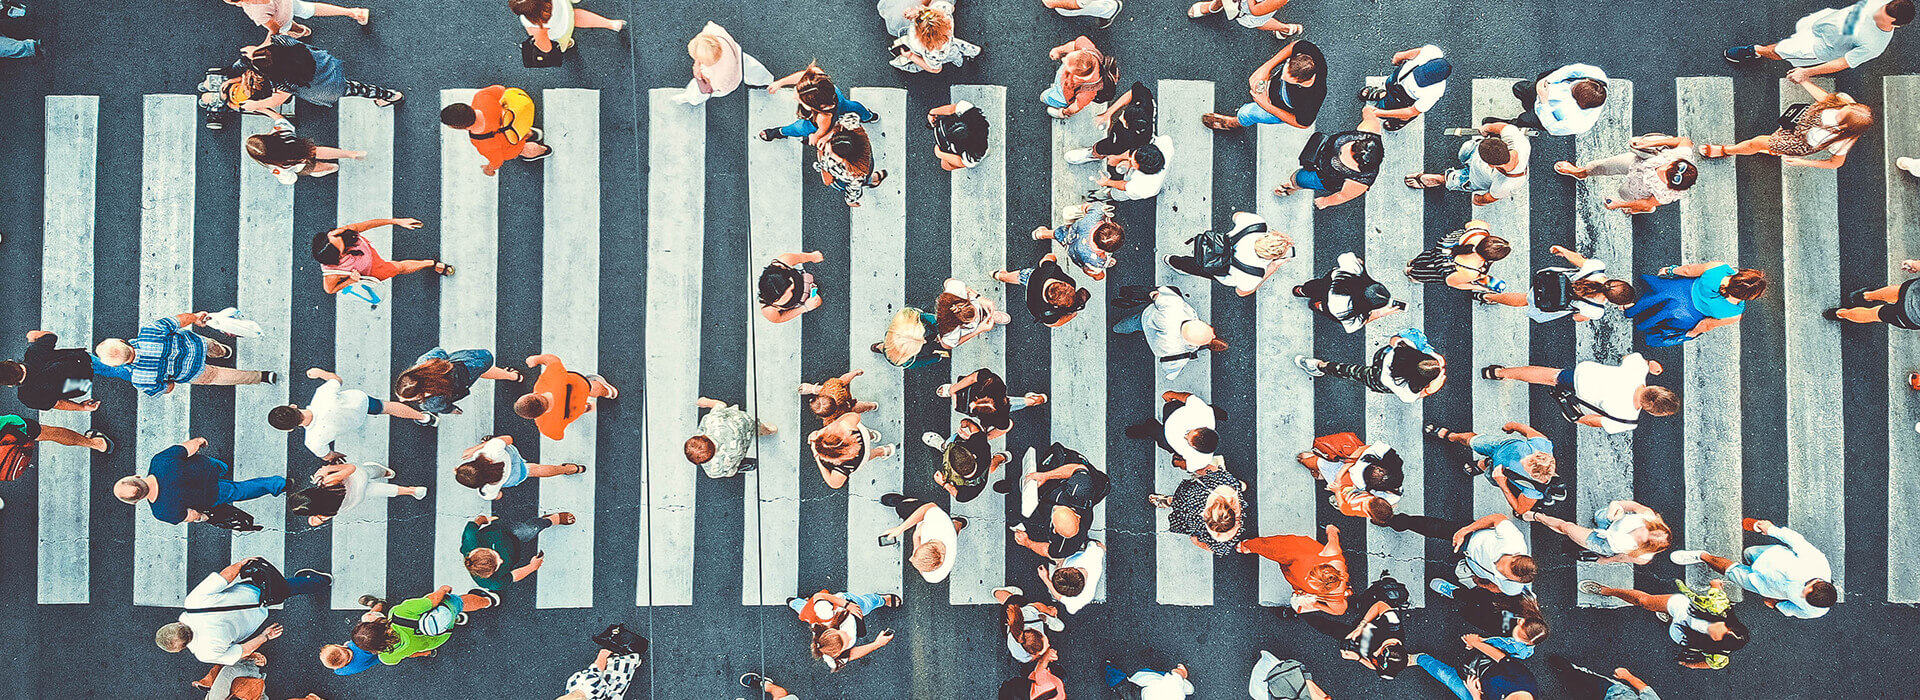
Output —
(570, 329)
(469, 228)
(1902, 132)
(877, 241)
(1283, 407)
(1604, 461)
(1079, 361)
(166, 288)
(1184, 572)
(979, 225)
(363, 353)
(66, 310)
(1507, 330)
(676, 200)
(770, 559)
(266, 293)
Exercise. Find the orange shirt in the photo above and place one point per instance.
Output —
(569, 392)
(497, 147)
(1297, 555)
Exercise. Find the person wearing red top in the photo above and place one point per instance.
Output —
(1317, 573)
(500, 122)
(560, 396)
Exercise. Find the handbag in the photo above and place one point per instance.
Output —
(1791, 117)
(16, 449)
(230, 517)
(1132, 296)
(620, 640)
(532, 57)
(264, 575)
(230, 322)
(1310, 153)
(1571, 407)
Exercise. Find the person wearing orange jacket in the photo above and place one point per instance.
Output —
(499, 120)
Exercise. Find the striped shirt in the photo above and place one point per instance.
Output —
(165, 352)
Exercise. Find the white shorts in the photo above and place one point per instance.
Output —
(1803, 48)
(303, 9)
(1238, 10)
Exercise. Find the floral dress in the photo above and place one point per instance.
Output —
(610, 684)
(1190, 505)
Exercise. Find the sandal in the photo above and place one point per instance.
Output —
(1591, 588)
(442, 269)
(1159, 500)
(1563, 167)
(577, 468)
(1199, 9)
(107, 441)
(892, 601)
(1418, 181)
(1713, 150)
(563, 518)
(519, 376)
(1488, 371)
(398, 97)
(1436, 431)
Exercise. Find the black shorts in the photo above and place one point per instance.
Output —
(31, 429)
(1895, 314)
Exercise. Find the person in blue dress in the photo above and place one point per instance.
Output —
(1683, 301)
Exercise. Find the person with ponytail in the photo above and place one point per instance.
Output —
(1831, 123)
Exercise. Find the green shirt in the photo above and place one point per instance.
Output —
(493, 536)
(412, 642)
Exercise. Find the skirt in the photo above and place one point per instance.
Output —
(1665, 313)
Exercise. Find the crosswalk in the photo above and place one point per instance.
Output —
(665, 525)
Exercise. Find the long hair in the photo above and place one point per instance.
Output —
(852, 147)
(284, 63)
(431, 378)
(1852, 122)
(815, 92)
(833, 446)
(479, 472)
(950, 312)
(280, 148)
(933, 28)
(536, 11)
(317, 499)
(1617, 292)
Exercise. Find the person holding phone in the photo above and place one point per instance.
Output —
(491, 546)
(935, 534)
(838, 621)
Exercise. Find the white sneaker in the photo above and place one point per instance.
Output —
(1911, 165)
(1686, 557)
(933, 440)
(1085, 155)
(419, 493)
(1015, 590)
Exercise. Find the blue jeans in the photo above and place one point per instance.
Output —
(806, 127)
(1445, 674)
(1252, 113)
(18, 48)
(1130, 324)
(868, 602)
(237, 491)
(1309, 179)
(301, 585)
(1054, 97)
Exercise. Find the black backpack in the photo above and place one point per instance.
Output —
(1552, 290)
(1213, 251)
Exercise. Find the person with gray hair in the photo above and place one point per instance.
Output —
(167, 352)
(225, 619)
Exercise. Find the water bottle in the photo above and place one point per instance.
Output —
(1497, 286)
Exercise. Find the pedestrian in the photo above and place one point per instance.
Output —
(1658, 170)
(1494, 553)
(495, 465)
(348, 258)
(936, 538)
(1074, 579)
(1519, 464)
(1057, 502)
(726, 435)
(418, 626)
(1208, 508)
(1136, 174)
(1090, 236)
(225, 616)
(183, 485)
(1831, 123)
(1418, 82)
(1154, 685)
(1037, 680)
(1128, 124)
(1085, 76)
(1565, 101)
(838, 622)
(962, 314)
(720, 66)
(1593, 685)
(1583, 291)
(1288, 89)
(242, 680)
(1516, 623)
(1599, 395)
(1378, 638)
(924, 31)
(844, 159)
(1348, 295)
(786, 289)
(440, 379)
(1504, 679)
(1701, 623)
(1341, 166)
(606, 679)
(1104, 10)
(1364, 479)
(983, 397)
(339, 487)
(1792, 576)
(844, 445)
(560, 396)
(1463, 259)
(550, 23)
(294, 69)
(909, 341)
(1172, 327)
(347, 659)
(820, 105)
(1897, 305)
(1052, 296)
(1832, 40)
(1684, 301)
(1317, 572)
(1493, 165)
(334, 411)
(1243, 259)
(289, 156)
(959, 134)
(1252, 14)
(48, 378)
(281, 16)
(834, 397)
(1623, 532)
(1407, 367)
(1027, 624)
(495, 551)
(967, 460)
(25, 433)
(167, 352)
(1187, 429)
(499, 123)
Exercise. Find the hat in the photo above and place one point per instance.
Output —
(1432, 72)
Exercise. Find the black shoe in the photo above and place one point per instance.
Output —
(1523, 89)
(751, 681)
(1005, 485)
(1372, 94)
(1143, 431)
(492, 598)
(875, 119)
(891, 500)
(1491, 120)
(1858, 297)
(314, 572)
(959, 522)
(1740, 54)
(432, 420)
(771, 134)
(269, 377)
(1831, 314)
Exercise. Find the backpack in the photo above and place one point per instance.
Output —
(16, 449)
(1434, 265)
(1213, 251)
(1553, 290)
(1287, 680)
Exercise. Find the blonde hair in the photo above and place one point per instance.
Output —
(1272, 246)
(705, 49)
(173, 636)
(139, 486)
(113, 352)
(928, 557)
(933, 28)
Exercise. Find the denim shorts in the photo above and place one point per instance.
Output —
(1252, 113)
(1309, 179)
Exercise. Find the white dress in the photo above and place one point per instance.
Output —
(954, 52)
(559, 25)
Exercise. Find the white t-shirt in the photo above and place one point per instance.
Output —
(959, 289)
(1424, 98)
(1497, 184)
(1592, 309)
(217, 636)
(1141, 185)
(938, 527)
(1484, 547)
(1243, 253)
(1189, 416)
(496, 450)
(1161, 686)
(1612, 389)
(1092, 560)
(336, 410)
(1619, 535)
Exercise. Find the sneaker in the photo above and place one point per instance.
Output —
(874, 120)
(1750, 524)
(460, 621)
(314, 572)
(432, 420)
(933, 440)
(751, 680)
(536, 135)
(269, 377)
(1740, 54)
(372, 601)
(419, 493)
(1308, 365)
(891, 500)
(1099, 194)
(1118, 6)
(1911, 165)
(1372, 94)
(1011, 590)
(1686, 557)
(1591, 587)
(493, 599)
(1443, 587)
(1085, 155)
(960, 522)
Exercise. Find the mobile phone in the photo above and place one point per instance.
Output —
(1399, 304)
(888, 630)
(888, 540)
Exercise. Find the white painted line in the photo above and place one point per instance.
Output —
(877, 241)
(676, 235)
(1183, 573)
(264, 294)
(66, 310)
(363, 352)
(1605, 461)
(1902, 134)
(570, 329)
(1816, 481)
(1079, 385)
(1710, 373)
(1500, 333)
(166, 288)
(770, 559)
(1396, 233)
(1283, 395)
(979, 226)
(469, 230)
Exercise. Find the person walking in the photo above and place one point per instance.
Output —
(48, 378)
(167, 352)
(820, 105)
(1407, 366)
(1701, 623)
(335, 411)
(499, 123)
(1252, 14)
(1074, 579)
(1598, 395)
(494, 551)
(440, 379)
(1364, 479)
(418, 626)
(1208, 508)
(983, 397)
(1832, 40)
(1516, 624)
(1418, 81)
(1172, 327)
(1565, 101)
(726, 436)
(1377, 638)
(1833, 122)
(924, 31)
(282, 16)
(560, 396)
(294, 69)
(1658, 170)
(844, 159)
(339, 487)
(1897, 305)
(962, 314)
(959, 134)
(225, 616)
(348, 659)
(550, 23)
(25, 433)
(1134, 175)
(720, 66)
(786, 290)
(1684, 301)
(183, 485)
(348, 258)
(495, 465)
(936, 538)
(838, 621)
(1493, 165)
(239, 681)
(1243, 259)
(1090, 236)
(606, 679)
(1154, 685)
(1504, 679)
(1463, 259)
(1589, 684)
(289, 156)
(1084, 77)
(1348, 295)
(1128, 124)
(967, 460)
(834, 397)
(1027, 624)
(1623, 532)
(1317, 572)
(1187, 429)
(1288, 89)
(1057, 502)
(1052, 296)
(844, 445)
(1520, 464)
(1494, 553)
(1342, 165)
(1792, 576)
(1583, 291)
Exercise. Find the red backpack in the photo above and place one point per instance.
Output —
(16, 449)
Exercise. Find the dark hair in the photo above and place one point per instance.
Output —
(1367, 299)
(1589, 93)
(1822, 594)
(1379, 510)
(1737, 635)
(1367, 154)
(1533, 628)
(775, 280)
(375, 637)
(699, 449)
(531, 406)
(1109, 236)
(12, 373)
(536, 11)
(815, 92)
(1057, 293)
(852, 146)
(1495, 152)
(1384, 473)
(947, 311)
(284, 417)
(1901, 11)
(1204, 440)
(1391, 660)
(280, 148)
(1618, 292)
(1300, 64)
(1493, 248)
(1747, 284)
(283, 63)
(317, 499)
(1069, 581)
(1688, 172)
(458, 115)
(1149, 159)
(431, 378)
(326, 254)
(478, 472)
(1524, 570)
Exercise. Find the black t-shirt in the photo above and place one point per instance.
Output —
(963, 134)
(989, 386)
(1302, 101)
(1332, 171)
(53, 375)
(1047, 272)
(1132, 127)
(983, 460)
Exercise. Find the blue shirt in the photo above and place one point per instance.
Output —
(1512, 647)
(165, 352)
(362, 660)
(186, 481)
(1508, 451)
(1707, 298)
